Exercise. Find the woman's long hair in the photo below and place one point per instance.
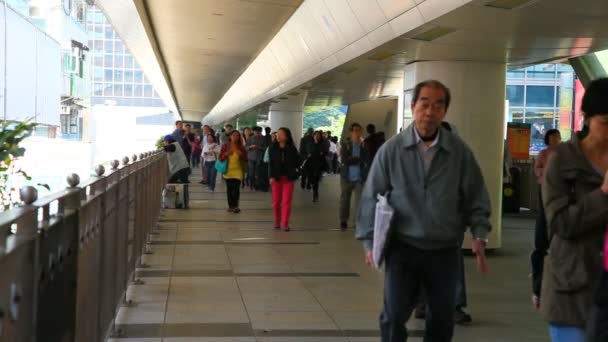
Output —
(289, 136)
(239, 139)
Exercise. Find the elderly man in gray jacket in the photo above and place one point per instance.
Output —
(436, 188)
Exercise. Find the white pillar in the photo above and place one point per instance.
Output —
(289, 113)
(477, 112)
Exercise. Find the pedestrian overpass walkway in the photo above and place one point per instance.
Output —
(217, 276)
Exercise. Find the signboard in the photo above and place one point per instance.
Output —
(518, 138)
(566, 105)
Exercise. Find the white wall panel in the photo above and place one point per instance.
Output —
(346, 20)
(21, 67)
(314, 37)
(2, 56)
(407, 22)
(327, 25)
(394, 8)
(381, 35)
(432, 9)
(49, 80)
(368, 13)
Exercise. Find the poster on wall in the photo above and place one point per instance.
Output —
(518, 138)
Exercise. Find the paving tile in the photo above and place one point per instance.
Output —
(291, 320)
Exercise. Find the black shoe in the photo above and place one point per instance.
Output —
(236, 210)
(461, 317)
(230, 210)
(315, 198)
(277, 227)
(343, 226)
(201, 182)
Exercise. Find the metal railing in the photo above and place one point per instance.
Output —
(66, 260)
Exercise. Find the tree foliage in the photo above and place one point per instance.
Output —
(325, 119)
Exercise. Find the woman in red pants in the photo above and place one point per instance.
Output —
(283, 167)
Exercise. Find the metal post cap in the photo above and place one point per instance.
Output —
(28, 195)
(115, 163)
(125, 160)
(100, 170)
(73, 180)
(134, 157)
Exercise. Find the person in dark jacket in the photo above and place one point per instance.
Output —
(576, 203)
(373, 141)
(355, 165)
(283, 168)
(305, 145)
(316, 163)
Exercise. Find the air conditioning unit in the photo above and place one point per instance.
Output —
(65, 110)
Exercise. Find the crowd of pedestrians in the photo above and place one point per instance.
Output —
(434, 184)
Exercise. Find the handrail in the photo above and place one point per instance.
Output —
(91, 236)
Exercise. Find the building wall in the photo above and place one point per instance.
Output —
(381, 113)
(33, 71)
(116, 77)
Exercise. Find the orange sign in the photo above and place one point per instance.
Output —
(518, 137)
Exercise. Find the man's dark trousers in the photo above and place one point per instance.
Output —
(407, 270)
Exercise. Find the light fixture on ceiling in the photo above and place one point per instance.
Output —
(306, 87)
(217, 14)
(274, 101)
(293, 93)
(508, 4)
(283, 98)
(348, 69)
(381, 55)
(434, 33)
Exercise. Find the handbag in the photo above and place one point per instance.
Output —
(221, 166)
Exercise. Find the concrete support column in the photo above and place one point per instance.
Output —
(477, 112)
(289, 113)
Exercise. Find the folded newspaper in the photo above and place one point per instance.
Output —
(382, 227)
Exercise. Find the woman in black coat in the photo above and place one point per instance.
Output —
(316, 163)
(283, 169)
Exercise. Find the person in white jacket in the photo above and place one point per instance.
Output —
(210, 153)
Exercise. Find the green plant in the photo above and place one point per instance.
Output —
(11, 135)
(159, 142)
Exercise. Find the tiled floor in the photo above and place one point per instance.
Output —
(218, 277)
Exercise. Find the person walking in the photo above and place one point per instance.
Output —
(284, 163)
(355, 166)
(541, 242)
(433, 207)
(233, 152)
(178, 164)
(256, 145)
(576, 204)
(211, 152)
(197, 149)
(315, 164)
(373, 141)
(305, 146)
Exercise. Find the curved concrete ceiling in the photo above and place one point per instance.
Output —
(202, 46)
(344, 51)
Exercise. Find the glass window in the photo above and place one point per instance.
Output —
(118, 61)
(146, 80)
(542, 121)
(156, 94)
(108, 75)
(108, 47)
(138, 90)
(128, 90)
(109, 32)
(128, 61)
(117, 76)
(118, 47)
(98, 61)
(139, 76)
(518, 73)
(128, 76)
(515, 95)
(98, 46)
(108, 61)
(541, 71)
(107, 90)
(98, 89)
(540, 96)
(118, 90)
(98, 74)
(148, 91)
(517, 115)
